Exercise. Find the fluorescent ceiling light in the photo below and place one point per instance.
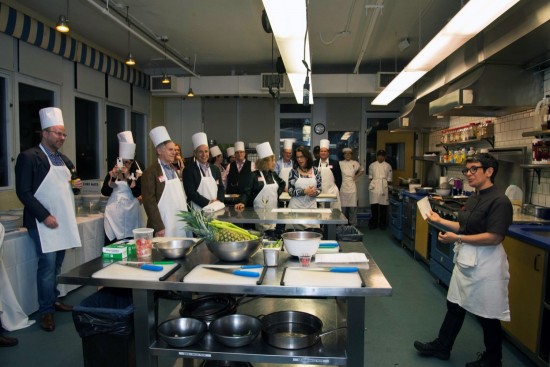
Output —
(288, 22)
(397, 86)
(475, 16)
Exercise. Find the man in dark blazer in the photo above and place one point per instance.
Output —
(331, 185)
(238, 173)
(202, 181)
(42, 176)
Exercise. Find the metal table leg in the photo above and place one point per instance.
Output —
(145, 321)
(356, 331)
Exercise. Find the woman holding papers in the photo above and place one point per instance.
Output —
(479, 283)
(264, 187)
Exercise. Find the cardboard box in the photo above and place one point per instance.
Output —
(115, 252)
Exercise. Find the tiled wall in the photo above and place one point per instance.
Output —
(508, 130)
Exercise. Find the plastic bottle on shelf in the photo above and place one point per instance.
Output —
(463, 155)
(515, 194)
(471, 151)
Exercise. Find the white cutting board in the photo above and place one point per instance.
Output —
(202, 275)
(294, 277)
(118, 271)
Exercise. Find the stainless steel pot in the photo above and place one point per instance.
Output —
(292, 329)
(235, 330)
(541, 212)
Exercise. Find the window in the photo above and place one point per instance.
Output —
(298, 129)
(139, 131)
(4, 159)
(87, 138)
(31, 100)
(343, 139)
(116, 122)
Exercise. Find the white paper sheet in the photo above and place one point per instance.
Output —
(424, 207)
(346, 258)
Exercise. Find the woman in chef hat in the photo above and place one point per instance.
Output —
(123, 186)
(230, 155)
(216, 158)
(265, 186)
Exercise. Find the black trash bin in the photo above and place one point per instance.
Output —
(105, 322)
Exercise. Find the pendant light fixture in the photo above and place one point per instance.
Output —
(63, 22)
(130, 61)
(165, 78)
(190, 91)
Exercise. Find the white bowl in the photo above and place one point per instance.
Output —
(443, 192)
(302, 243)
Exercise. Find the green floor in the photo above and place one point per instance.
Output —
(415, 311)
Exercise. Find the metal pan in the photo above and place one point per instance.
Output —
(292, 329)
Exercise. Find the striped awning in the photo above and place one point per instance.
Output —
(25, 28)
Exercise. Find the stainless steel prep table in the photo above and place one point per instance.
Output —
(347, 307)
(250, 215)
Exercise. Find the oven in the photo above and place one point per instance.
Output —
(441, 254)
(395, 215)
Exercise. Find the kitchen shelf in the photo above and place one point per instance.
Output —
(427, 158)
(537, 167)
(538, 133)
(474, 142)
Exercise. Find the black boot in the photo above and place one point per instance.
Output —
(433, 349)
(485, 360)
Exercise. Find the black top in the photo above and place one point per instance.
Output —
(487, 211)
(256, 184)
(107, 190)
(235, 179)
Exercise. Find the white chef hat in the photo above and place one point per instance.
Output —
(199, 139)
(215, 151)
(346, 150)
(50, 116)
(239, 146)
(159, 135)
(324, 143)
(125, 137)
(230, 151)
(287, 144)
(126, 150)
(264, 150)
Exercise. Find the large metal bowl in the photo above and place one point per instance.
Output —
(234, 251)
(175, 249)
(423, 190)
(302, 243)
(181, 332)
(235, 330)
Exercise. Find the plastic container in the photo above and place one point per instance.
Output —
(348, 233)
(105, 322)
(515, 194)
(144, 241)
(271, 256)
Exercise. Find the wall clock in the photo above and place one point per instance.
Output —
(319, 129)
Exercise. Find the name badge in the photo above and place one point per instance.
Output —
(330, 166)
(260, 179)
(162, 179)
(217, 182)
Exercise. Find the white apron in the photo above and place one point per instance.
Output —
(479, 283)
(348, 191)
(12, 315)
(56, 195)
(378, 187)
(285, 173)
(121, 212)
(303, 202)
(172, 201)
(207, 188)
(270, 192)
(328, 186)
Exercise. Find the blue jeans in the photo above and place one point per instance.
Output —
(49, 267)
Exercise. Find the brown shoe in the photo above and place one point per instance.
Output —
(47, 322)
(61, 307)
(6, 341)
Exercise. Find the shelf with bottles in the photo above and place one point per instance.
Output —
(473, 133)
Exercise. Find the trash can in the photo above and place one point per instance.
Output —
(105, 322)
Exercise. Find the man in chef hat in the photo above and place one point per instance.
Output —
(238, 172)
(162, 192)
(202, 180)
(331, 174)
(123, 187)
(43, 185)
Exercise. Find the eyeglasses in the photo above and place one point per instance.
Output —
(472, 170)
(58, 133)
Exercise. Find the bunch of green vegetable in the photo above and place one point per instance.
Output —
(212, 229)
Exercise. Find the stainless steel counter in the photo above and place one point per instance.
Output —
(345, 304)
(250, 215)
